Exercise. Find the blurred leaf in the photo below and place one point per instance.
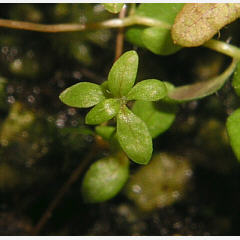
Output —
(113, 7)
(236, 80)
(233, 129)
(123, 73)
(103, 111)
(105, 178)
(203, 88)
(82, 95)
(148, 90)
(197, 23)
(158, 116)
(133, 136)
(106, 132)
(159, 41)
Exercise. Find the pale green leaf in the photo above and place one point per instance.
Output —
(82, 95)
(133, 136)
(158, 116)
(233, 129)
(113, 7)
(197, 23)
(123, 74)
(103, 111)
(148, 90)
(105, 178)
(159, 41)
(204, 88)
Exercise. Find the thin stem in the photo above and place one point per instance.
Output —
(223, 47)
(120, 35)
(73, 178)
(112, 23)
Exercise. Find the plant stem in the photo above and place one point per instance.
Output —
(112, 23)
(120, 36)
(73, 178)
(223, 47)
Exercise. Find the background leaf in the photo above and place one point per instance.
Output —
(82, 95)
(123, 73)
(202, 89)
(106, 132)
(233, 128)
(156, 41)
(113, 7)
(103, 111)
(159, 41)
(236, 80)
(133, 136)
(148, 90)
(158, 116)
(105, 178)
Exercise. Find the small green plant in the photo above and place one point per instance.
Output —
(129, 115)
(143, 111)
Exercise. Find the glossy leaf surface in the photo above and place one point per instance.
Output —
(103, 111)
(82, 95)
(105, 178)
(148, 90)
(123, 73)
(133, 136)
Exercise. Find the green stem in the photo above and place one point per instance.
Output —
(223, 47)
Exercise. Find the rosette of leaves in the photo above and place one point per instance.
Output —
(110, 101)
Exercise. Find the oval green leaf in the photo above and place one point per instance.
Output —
(103, 111)
(148, 90)
(82, 95)
(158, 116)
(105, 178)
(113, 7)
(159, 41)
(133, 136)
(123, 73)
(236, 80)
(233, 129)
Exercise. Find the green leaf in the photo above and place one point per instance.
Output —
(158, 116)
(103, 111)
(105, 178)
(204, 88)
(133, 136)
(197, 23)
(233, 129)
(236, 80)
(105, 89)
(152, 38)
(106, 132)
(159, 41)
(148, 90)
(82, 95)
(113, 7)
(123, 74)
